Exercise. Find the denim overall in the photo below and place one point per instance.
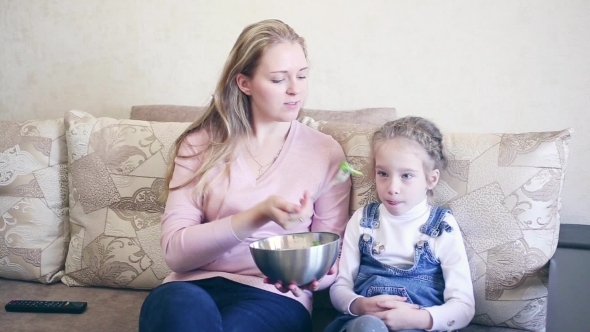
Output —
(421, 284)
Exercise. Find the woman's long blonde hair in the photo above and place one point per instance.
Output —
(227, 118)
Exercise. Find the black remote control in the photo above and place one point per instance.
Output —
(65, 307)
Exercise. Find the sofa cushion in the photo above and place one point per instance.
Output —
(505, 192)
(116, 176)
(178, 113)
(354, 139)
(108, 309)
(33, 200)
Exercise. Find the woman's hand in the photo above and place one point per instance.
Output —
(275, 208)
(286, 214)
(298, 290)
(306, 208)
(293, 288)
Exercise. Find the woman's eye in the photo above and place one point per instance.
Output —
(302, 77)
(278, 81)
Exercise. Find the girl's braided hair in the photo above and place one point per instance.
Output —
(417, 129)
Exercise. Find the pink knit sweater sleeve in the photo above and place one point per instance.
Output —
(188, 243)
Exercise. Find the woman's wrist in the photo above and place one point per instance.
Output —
(246, 222)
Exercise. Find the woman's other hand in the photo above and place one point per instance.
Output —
(293, 288)
(298, 290)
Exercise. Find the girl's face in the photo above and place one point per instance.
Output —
(279, 86)
(400, 175)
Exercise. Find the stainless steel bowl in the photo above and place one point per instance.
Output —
(298, 258)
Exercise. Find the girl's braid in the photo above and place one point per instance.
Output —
(418, 129)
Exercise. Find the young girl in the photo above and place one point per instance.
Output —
(245, 171)
(403, 264)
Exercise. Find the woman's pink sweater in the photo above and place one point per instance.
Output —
(197, 238)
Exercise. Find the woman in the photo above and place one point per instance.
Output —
(245, 171)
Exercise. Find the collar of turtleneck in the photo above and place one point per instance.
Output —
(416, 212)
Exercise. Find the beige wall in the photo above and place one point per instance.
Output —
(479, 66)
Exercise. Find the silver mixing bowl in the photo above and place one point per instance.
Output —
(298, 258)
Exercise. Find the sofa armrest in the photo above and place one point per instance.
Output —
(569, 291)
(574, 236)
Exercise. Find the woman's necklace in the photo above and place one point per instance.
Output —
(264, 168)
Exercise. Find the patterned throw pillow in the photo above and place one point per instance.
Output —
(505, 192)
(354, 139)
(33, 200)
(116, 176)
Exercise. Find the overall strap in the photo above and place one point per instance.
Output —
(436, 224)
(370, 217)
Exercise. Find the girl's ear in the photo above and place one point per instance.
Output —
(243, 83)
(432, 179)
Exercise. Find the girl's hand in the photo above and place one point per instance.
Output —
(379, 304)
(405, 318)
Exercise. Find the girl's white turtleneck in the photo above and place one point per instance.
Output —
(399, 234)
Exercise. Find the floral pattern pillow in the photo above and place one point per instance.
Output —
(116, 176)
(505, 191)
(34, 227)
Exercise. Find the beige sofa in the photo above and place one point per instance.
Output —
(79, 219)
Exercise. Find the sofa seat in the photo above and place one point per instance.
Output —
(116, 310)
(108, 309)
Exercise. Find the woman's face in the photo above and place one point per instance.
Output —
(278, 87)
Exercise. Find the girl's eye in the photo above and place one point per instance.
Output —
(407, 176)
(382, 174)
(302, 77)
(277, 81)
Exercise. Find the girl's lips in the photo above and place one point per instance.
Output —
(393, 202)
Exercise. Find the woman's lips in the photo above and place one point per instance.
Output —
(293, 104)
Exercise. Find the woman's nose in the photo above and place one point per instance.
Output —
(294, 87)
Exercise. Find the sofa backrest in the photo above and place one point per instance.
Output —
(504, 190)
(176, 113)
(34, 219)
